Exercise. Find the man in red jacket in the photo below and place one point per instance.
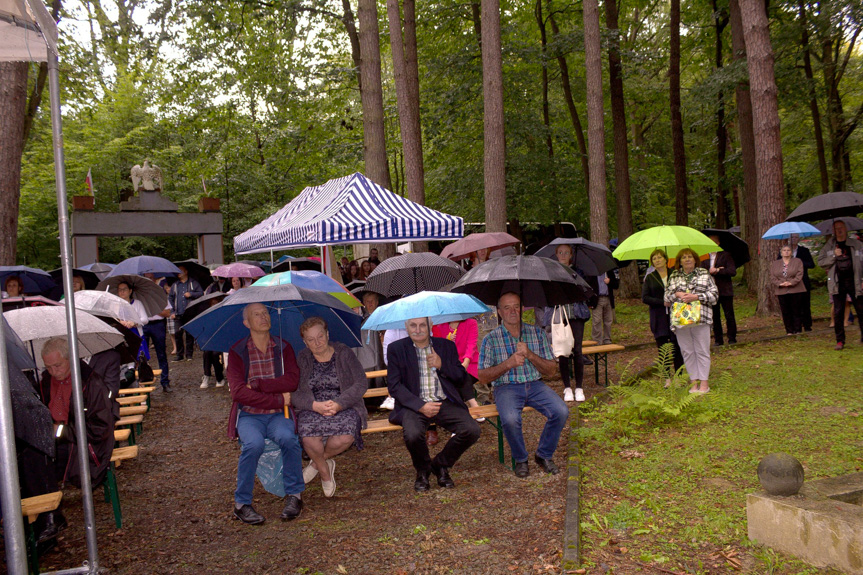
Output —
(262, 373)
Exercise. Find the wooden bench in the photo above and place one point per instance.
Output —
(123, 435)
(156, 374)
(31, 507)
(136, 390)
(133, 410)
(131, 399)
(112, 495)
(600, 354)
(134, 424)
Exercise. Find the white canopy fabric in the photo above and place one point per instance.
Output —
(26, 27)
(347, 210)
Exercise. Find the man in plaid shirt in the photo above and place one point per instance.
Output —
(513, 358)
(262, 373)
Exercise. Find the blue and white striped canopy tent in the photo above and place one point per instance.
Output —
(347, 210)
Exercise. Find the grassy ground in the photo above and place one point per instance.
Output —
(663, 490)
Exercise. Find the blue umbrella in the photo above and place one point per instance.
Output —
(140, 265)
(440, 307)
(221, 326)
(786, 229)
(33, 281)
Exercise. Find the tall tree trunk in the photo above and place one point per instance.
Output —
(595, 124)
(720, 20)
(409, 121)
(629, 285)
(749, 224)
(494, 141)
(681, 192)
(371, 94)
(813, 101)
(13, 107)
(548, 184)
(353, 36)
(570, 105)
(768, 143)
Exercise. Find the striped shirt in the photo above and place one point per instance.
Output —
(430, 387)
(499, 344)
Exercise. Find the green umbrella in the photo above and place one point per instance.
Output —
(672, 239)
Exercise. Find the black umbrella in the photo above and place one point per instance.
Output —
(732, 244)
(592, 258)
(412, 273)
(540, 282)
(832, 205)
(128, 350)
(197, 272)
(91, 280)
(851, 224)
(297, 264)
(200, 305)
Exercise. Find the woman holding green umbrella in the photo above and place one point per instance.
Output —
(692, 292)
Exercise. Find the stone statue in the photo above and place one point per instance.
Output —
(147, 177)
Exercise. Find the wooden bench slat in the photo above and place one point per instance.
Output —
(133, 410)
(374, 374)
(31, 507)
(588, 342)
(155, 372)
(377, 392)
(136, 390)
(378, 425)
(609, 347)
(122, 434)
(131, 399)
(122, 453)
(129, 420)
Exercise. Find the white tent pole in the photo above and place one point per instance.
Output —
(71, 323)
(10, 493)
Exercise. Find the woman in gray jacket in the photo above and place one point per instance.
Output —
(329, 401)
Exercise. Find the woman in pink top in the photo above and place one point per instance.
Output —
(464, 334)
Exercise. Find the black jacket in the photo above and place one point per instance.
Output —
(653, 294)
(403, 376)
(100, 425)
(612, 285)
(723, 277)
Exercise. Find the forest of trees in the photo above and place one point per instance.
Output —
(492, 110)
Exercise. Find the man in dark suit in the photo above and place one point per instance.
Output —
(804, 255)
(721, 266)
(429, 385)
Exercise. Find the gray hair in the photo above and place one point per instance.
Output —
(58, 345)
(246, 310)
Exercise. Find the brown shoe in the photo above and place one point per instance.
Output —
(431, 437)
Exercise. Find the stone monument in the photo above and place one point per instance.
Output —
(147, 183)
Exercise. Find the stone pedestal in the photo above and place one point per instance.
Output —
(147, 201)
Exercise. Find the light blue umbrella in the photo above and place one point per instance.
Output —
(140, 265)
(440, 307)
(786, 229)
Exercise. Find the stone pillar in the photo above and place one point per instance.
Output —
(210, 249)
(85, 250)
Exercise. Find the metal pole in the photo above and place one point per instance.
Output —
(71, 324)
(10, 492)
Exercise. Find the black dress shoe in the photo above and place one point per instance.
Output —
(248, 515)
(547, 465)
(167, 388)
(443, 477)
(293, 507)
(54, 523)
(731, 341)
(177, 358)
(586, 360)
(422, 481)
(521, 469)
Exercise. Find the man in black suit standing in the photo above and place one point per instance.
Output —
(429, 385)
(722, 267)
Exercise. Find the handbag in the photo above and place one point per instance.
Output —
(562, 340)
(685, 314)
(145, 372)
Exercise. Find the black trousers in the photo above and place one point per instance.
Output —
(452, 417)
(185, 341)
(792, 311)
(213, 359)
(806, 309)
(36, 474)
(846, 289)
(577, 326)
(678, 356)
(726, 303)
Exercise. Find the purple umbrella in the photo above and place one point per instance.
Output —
(238, 270)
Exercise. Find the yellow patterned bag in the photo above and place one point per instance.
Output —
(684, 314)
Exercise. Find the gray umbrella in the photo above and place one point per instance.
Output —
(36, 325)
(150, 294)
(106, 304)
(851, 224)
(412, 273)
(591, 258)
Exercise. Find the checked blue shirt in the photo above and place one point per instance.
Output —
(498, 345)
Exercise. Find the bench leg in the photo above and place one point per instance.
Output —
(112, 495)
(140, 428)
(604, 358)
(32, 548)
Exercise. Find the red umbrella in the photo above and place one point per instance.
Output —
(462, 248)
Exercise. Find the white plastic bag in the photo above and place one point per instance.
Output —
(562, 340)
(270, 469)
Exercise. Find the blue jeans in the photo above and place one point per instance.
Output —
(512, 398)
(155, 332)
(253, 429)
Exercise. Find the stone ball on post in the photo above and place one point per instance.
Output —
(780, 474)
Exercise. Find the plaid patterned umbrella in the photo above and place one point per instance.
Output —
(412, 273)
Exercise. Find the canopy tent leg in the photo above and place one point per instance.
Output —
(71, 323)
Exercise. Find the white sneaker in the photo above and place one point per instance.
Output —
(205, 382)
(220, 383)
(579, 394)
(389, 403)
(310, 472)
(567, 394)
